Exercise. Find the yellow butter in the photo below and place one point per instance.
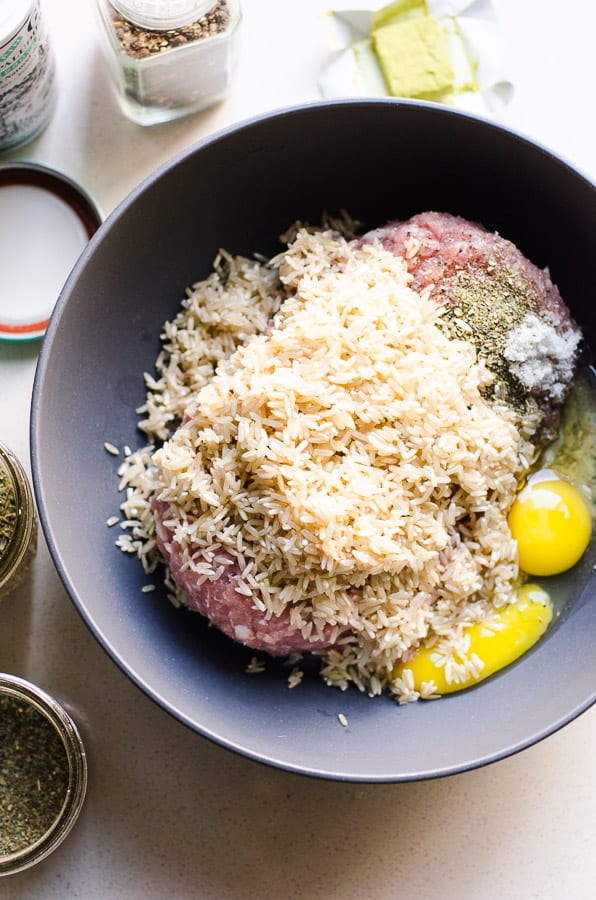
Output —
(398, 10)
(414, 58)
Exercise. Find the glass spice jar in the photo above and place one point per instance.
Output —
(18, 522)
(43, 774)
(169, 58)
(27, 83)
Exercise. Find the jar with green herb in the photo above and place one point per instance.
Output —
(18, 522)
(169, 58)
(43, 774)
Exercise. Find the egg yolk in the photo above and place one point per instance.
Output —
(551, 522)
(490, 645)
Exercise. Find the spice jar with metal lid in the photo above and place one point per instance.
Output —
(18, 522)
(43, 774)
(27, 84)
(169, 58)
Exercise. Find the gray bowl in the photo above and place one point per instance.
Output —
(240, 190)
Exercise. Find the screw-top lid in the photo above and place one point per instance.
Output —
(162, 15)
(47, 221)
(12, 15)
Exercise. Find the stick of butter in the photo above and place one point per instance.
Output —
(414, 58)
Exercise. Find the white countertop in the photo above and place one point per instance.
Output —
(169, 814)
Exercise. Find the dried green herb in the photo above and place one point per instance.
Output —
(8, 510)
(33, 775)
(484, 308)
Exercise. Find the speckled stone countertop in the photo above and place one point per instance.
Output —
(169, 814)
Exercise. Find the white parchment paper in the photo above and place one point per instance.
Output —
(475, 46)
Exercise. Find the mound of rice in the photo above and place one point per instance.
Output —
(336, 448)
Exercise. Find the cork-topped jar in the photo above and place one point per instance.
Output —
(169, 58)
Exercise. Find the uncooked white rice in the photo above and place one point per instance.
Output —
(380, 478)
(255, 666)
(295, 677)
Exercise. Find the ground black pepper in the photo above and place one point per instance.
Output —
(33, 774)
(141, 42)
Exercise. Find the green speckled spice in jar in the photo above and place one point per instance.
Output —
(43, 774)
(33, 775)
(18, 522)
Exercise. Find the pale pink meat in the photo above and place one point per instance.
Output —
(231, 612)
(447, 244)
(439, 249)
(483, 279)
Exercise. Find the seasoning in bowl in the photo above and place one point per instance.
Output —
(43, 774)
(18, 522)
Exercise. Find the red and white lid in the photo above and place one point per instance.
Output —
(45, 223)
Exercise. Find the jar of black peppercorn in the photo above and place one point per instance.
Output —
(169, 58)
(18, 522)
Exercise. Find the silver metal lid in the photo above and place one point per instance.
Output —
(12, 15)
(48, 221)
(163, 15)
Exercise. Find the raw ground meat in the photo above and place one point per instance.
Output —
(472, 272)
(484, 281)
(448, 244)
(231, 612)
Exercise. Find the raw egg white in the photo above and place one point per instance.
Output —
(551, 521)
(491, 644)
(552, 524)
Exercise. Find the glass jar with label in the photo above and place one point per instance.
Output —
(27, 84)
(18, 522)
(169, 58)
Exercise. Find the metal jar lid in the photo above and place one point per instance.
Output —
(13, 13)
(163, 15)
(48, 221)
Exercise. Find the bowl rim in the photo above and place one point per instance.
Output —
(119, 211)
